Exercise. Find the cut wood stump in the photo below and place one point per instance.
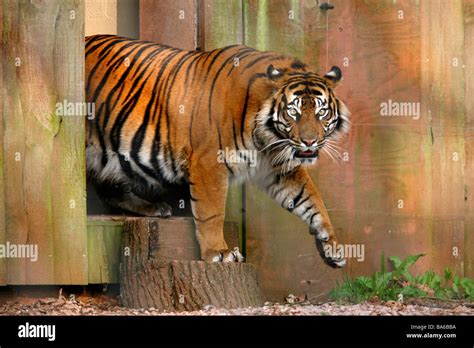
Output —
(160, 268)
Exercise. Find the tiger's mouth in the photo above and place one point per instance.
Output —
(307, 154)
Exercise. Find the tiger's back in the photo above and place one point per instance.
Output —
(155, 104)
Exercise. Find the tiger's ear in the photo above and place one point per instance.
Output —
(273, 73)
(334, 76)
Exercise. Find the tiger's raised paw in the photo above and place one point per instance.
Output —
(329, 255)
(326, 246)
(229, 256)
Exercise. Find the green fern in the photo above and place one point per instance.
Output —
(388, 286)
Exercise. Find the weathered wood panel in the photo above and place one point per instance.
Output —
(44, 171)
(104, 239)
(377, 44)
(221, 23)
(3, 263)
(172, 23)
(468, 10)
(442, 52)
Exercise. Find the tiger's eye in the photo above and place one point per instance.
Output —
(322, 112)
(292, 112)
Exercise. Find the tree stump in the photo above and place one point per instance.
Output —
(161, 269)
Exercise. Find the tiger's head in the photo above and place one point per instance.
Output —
(302, 116)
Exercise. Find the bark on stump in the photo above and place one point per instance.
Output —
(150, 278)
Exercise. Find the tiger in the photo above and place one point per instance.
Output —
(166, 116)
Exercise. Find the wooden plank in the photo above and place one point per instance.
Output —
(172, 23)
(104, 249)
(44, 153)
(468, 10)
(377, 45)
(3, 263)
(222, 23)
(68, 157)
(443, 94)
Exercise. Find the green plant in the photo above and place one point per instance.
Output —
(400, 283)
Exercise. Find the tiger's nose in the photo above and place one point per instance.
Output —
(309, 142)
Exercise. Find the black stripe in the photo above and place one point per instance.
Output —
(244, 110)
(234, 133)
(277, 192)
(137, 143)
(126, 167)
(302, 201)
(220, 147)
(297, 198)
(191, 65)
(303, 82)
(307, 209)
(100, 135)
(312, 217)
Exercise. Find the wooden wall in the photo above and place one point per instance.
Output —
(43, 168)
(405, 186)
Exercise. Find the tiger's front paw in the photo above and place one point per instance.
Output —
(225, 256)
(327, 247)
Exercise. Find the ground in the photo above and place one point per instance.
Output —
(103, 305)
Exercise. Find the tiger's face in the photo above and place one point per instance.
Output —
(305, 117)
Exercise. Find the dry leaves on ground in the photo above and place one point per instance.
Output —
(84, 305)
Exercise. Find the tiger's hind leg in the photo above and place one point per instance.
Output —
(121, 196)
